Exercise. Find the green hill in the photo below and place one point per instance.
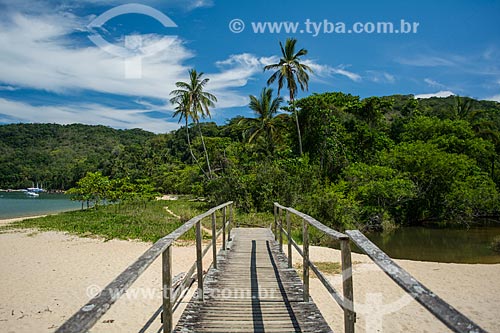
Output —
(59, 155)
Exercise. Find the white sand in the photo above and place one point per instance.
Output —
(4, 222)
(45, 278)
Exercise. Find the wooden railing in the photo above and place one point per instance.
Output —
(443, 311)
(345, 301)
(89, 314)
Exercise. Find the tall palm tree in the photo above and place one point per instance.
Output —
(197, 102)
(265, 107)
(182, 110)
(290, 68)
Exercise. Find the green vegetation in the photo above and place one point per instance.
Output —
(291, 70)
(325, 267)
(376, 162)
(495, 244)
(193, 102)
(98, 189)
(60, 155)
(373, 163)
(146, 223)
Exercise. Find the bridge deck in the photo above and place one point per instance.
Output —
(253, 290)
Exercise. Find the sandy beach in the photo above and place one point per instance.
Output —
(47, 276)
(4, 222)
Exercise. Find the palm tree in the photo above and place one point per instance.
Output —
(197, 102)
(265, 107)
(182, 110)
(462, 108)
(290, 68)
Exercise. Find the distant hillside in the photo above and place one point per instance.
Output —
(59, 155)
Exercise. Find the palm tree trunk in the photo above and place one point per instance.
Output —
(205, 150)
(191, 150)
(296, 122)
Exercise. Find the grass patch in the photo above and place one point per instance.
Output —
(325, 267)
(146, 222)
(252, 219)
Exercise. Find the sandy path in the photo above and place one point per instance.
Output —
(4, 222)
(45, 278)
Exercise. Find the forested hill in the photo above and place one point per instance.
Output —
(59, 155)
(375, 161)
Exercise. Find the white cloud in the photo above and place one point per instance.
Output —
(495, 98)
(237, 70)
(380, 77)
(434, 84)
(7, 88)
(328, 71)
(90, 114)
(45, 6)
(40, 56)
(426, 61)
(444, 93)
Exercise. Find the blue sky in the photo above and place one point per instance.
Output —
(50, 70)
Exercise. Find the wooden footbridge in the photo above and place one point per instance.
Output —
(251, 285)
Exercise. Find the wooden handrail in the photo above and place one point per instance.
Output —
(346, 301)
(85, 318)
(443, 311)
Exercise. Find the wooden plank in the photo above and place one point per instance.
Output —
(167, 289)
(443, 311)
(280, 227)
(224, 228)
(315, 223)
(289, 238)
(214, 240)
(90, 313)
(347, 286)
(305, 259)
(272, 293)
(199, 261)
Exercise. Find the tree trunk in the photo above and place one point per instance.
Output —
(191, 150)
(205, 150)
(292, 100)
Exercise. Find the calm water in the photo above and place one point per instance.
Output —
(414, 243)
(18, 204)
(443, 245)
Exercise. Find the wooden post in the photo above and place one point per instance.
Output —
(275, 221)
(224, 228)
(349, 315)
(280, 228)
(230, 222)
(199, 261)
(305, 262)
(214, 239)
(289, 232)
(167, 290)
(231, 211)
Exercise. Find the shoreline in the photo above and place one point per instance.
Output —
(47, 274)
(7, 221)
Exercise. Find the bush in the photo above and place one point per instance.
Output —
(495, 244)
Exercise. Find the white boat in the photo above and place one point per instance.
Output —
(32, 194)
(36, 189)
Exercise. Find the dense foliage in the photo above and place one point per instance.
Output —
(374, 162)
(58, 155)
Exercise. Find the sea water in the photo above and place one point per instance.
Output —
(19, 204)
